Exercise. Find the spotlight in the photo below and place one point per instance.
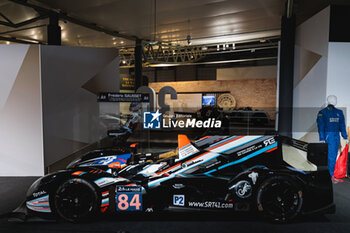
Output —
(233, 46)
(218, 47)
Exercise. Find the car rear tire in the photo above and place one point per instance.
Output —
(280, 198)
(76, 200)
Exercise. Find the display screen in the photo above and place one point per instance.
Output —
(208, 100)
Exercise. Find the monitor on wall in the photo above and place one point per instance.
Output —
(208, 100)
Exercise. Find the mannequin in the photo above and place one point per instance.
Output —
(330, 121)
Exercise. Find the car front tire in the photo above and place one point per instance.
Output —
(76, 200)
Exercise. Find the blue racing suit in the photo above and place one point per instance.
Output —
(330, 121)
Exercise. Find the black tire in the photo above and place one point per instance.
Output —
(76, 200)
(280, 198)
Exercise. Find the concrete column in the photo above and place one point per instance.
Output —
(286, 76)
(54, 31)
(138, 64)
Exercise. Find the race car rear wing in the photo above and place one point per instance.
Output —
(317, 153)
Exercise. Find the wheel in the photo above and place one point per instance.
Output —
(209, 112)
(76, 200)
(279, 198)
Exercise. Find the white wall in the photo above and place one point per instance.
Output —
(338, 75)
(310, 74)
(21, 139)
(47, 91)
(250, 72)
(71, 78)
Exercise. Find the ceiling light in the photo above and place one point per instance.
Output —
(223, 47)
(217, 47)
(204, 48)
(262, 41)
(114, 43)
(233, 46)
(124, 62)
(122, 42)
(7, 42)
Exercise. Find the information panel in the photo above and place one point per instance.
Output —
(122, 97)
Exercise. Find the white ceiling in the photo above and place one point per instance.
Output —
(206, 21)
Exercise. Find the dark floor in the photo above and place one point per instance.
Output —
(338, 223)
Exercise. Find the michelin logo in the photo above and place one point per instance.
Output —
(151, 120)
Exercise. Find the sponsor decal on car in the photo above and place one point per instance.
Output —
(184, 165)
(179, 200)
(105, 181)
(40, 193)
(178, 186)
(107, 160)
(242, 188)
(248, 150)
(213, 164)
(187, 150)
(211, 204)
(254, 176)
(40, 204)
(128, 198)
(269, 141)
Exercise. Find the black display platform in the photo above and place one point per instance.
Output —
(242, 223)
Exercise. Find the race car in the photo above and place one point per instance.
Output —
(276, 176)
